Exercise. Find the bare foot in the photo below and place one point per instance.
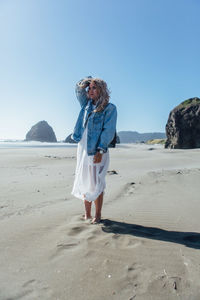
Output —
(96, 220)
(88, 206)
(87, 217)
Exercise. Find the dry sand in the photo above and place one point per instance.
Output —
(147, 246)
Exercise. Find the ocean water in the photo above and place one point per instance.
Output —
(21, 144)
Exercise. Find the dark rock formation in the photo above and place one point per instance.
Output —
(69, 140)
(41, 132)
(136, 137)
(183, 125)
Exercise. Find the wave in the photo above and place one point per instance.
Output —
(9, 144)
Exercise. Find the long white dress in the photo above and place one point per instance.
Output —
(89, 180)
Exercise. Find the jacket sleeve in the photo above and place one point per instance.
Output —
(81, 93)
(109, 128)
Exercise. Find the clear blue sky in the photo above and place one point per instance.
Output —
(148, 51)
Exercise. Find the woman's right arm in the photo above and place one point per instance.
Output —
(81, 93)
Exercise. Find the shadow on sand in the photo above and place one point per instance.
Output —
(189, 239)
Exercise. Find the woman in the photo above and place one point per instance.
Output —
(94, 130)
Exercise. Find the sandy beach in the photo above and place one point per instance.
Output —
(147, 246)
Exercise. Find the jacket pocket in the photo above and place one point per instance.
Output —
(98, 118)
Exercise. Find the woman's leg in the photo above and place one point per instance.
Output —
(98, 206)
(88, 206)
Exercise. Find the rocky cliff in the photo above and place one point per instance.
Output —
(136, 137)
(69, 139)
(41, 132)
(183, 125)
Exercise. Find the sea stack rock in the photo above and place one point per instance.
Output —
(41, 132)
(183, 125)
(69, 140)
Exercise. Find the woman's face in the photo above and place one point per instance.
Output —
(93, 91)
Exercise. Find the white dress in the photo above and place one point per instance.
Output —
(89, 180)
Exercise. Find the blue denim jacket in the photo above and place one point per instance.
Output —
(101, 125)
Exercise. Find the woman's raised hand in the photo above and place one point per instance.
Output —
(85, 82)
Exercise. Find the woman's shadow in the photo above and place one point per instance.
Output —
(189, 239)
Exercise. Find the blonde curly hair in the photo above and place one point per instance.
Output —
(103, 91)
(104, 94)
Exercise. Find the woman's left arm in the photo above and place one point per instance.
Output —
(109, 127)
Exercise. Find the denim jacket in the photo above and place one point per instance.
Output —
(101, 125)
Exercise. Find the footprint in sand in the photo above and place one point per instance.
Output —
(132, 272)
(61, 247)
(165, 284)
(130, 188)
(124, 242)
(75, 227)
(67, 246)
(131, 243)
(34, 289)
(77, 232)
(29, 282)
(135, 278)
